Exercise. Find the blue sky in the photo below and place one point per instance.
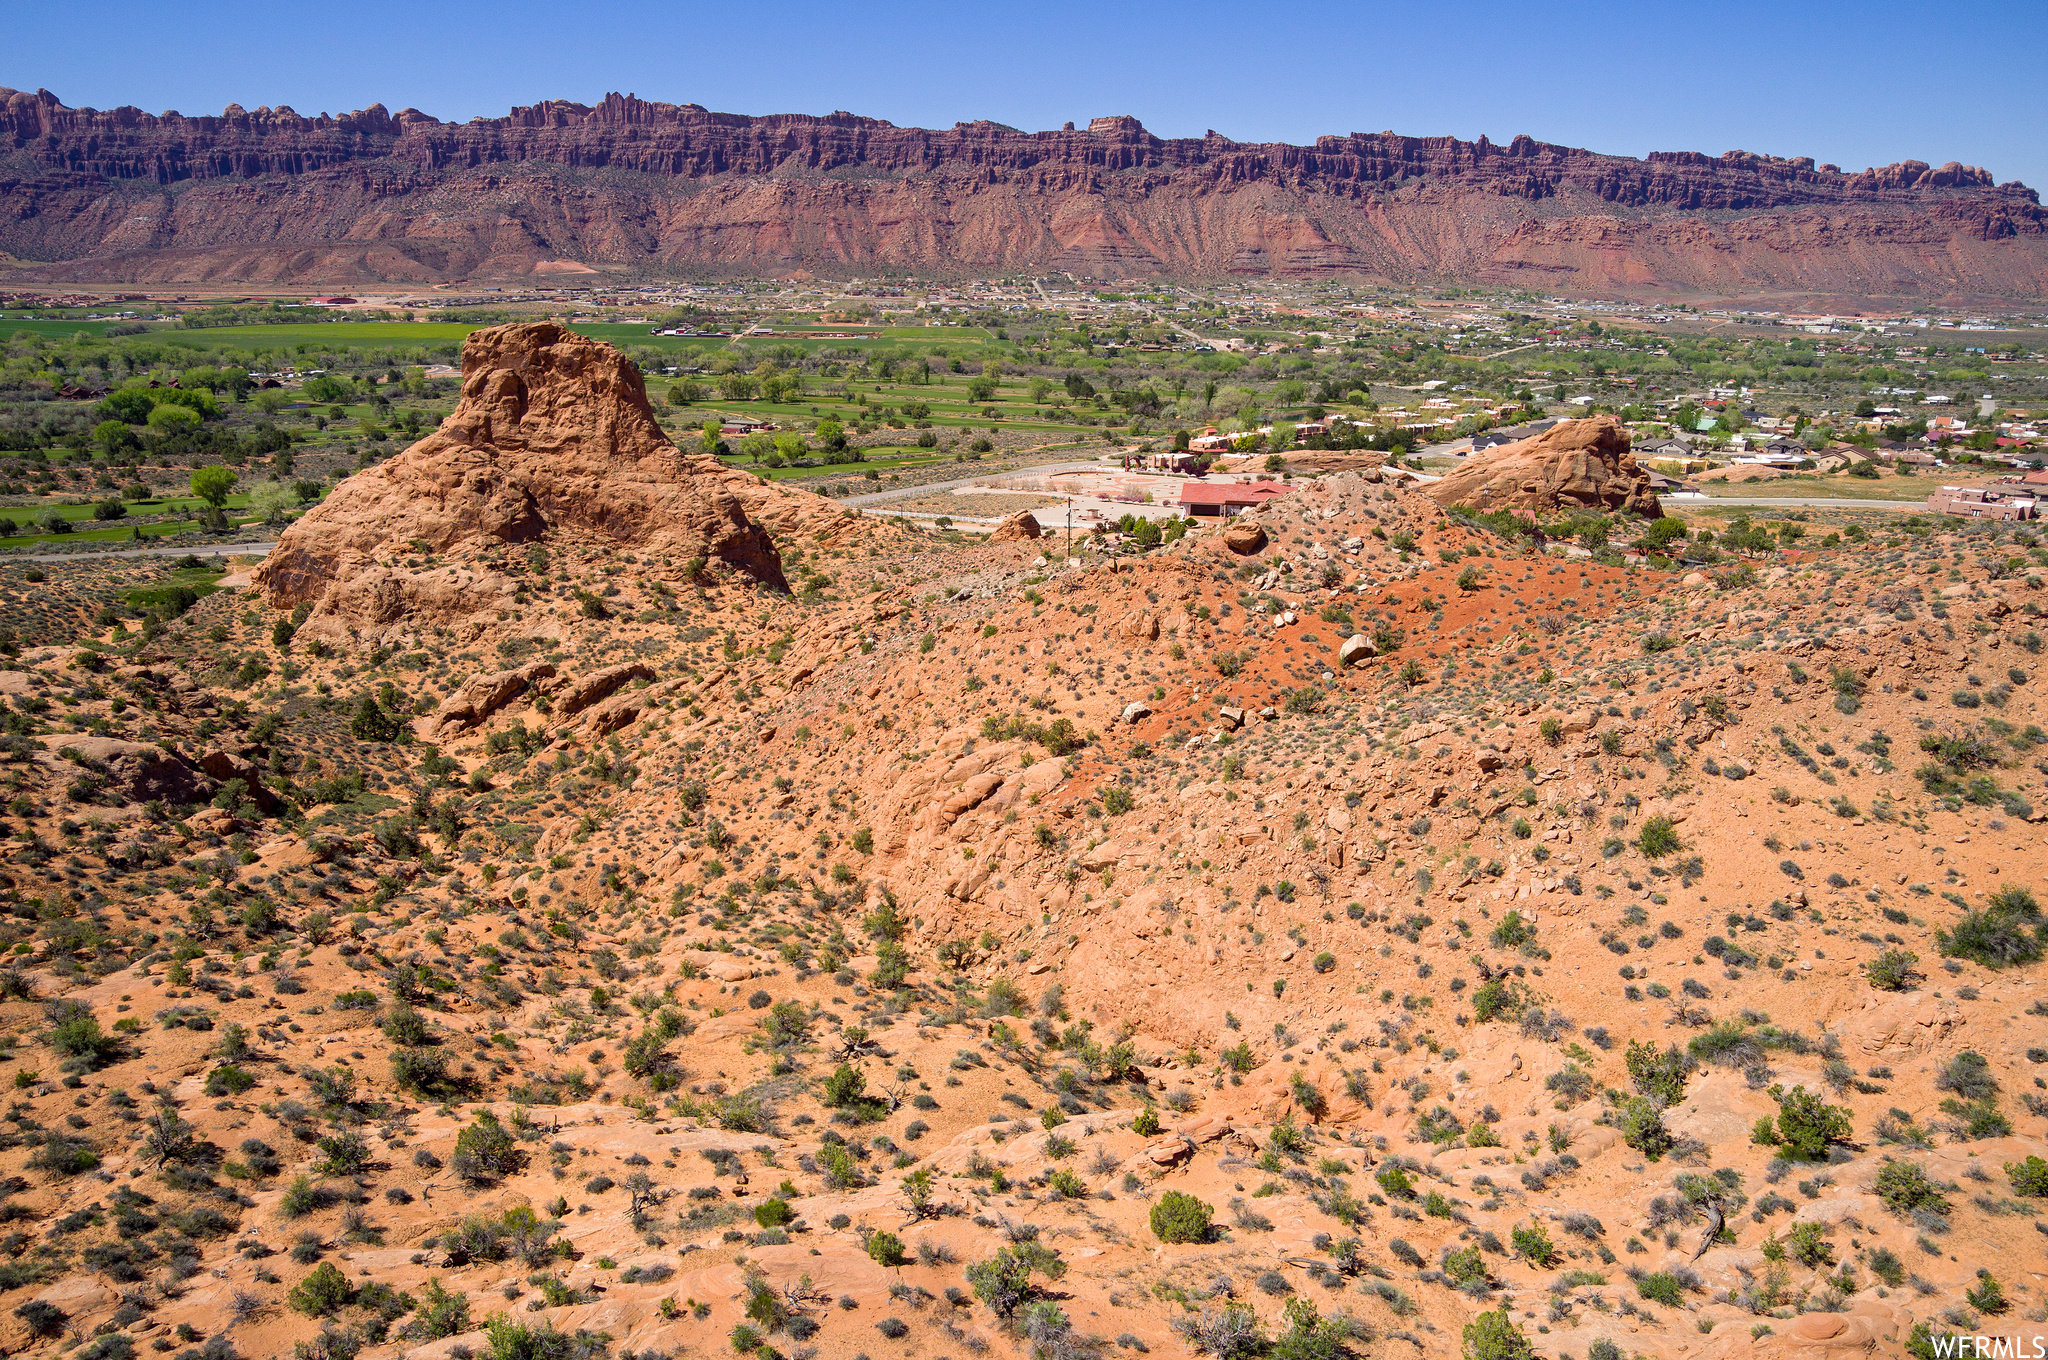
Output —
(1856, 84)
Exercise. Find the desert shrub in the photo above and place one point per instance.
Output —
(1003, 1282)
(1658, 838)
(442, 1312)
(2029, 1177)
(418, 1069)
(1465, 1265)
(484, 1151)
(886, 1249)
(1660, 1075)
(1178, 1217)
(1893, 970)
(1534, 1245)
(1513, 931)
(1807, 1244)
(1806, 1124)
(505, 1339)
(76, 1033)
(1494, 1336)
(1904, 1187)
(324, 1290)
(2007, 930)
(1642, 1127)
(1496, 999)
(1662, 1287)
(41, 1318)
(1968, 1075)
(1231, 1332)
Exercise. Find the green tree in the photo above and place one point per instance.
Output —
(212, 484)
(171, 418)
(113, 436)
(371, 722)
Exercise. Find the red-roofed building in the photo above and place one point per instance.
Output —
(1227, 498)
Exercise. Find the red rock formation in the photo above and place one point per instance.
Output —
(1573, 465)
(552, 441)
(270, 195)
(1016, 528)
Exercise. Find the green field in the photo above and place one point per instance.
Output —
(169, 505)
(329, 335)
(63, 330)
(117, 532)
(112, 530)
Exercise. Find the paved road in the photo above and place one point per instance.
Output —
(219, 550)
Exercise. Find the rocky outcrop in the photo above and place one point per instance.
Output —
(553, 441)
(1016, 528)
(586, 690)
(138, 771)
(1244, 536)
(483, 695)
(268, 194)
(1573, 465)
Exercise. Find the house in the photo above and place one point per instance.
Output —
(743, 425)
(1975, 502)
(1228, 498)
(1840, 457)
(1493, 439)
(1664, 448)
(1671, 486)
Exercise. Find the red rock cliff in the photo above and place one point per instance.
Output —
(274, 195)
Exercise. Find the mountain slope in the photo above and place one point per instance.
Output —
(272, 196)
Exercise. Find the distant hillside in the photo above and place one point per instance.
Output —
(272, 197)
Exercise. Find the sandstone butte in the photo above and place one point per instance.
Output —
(271, 196)
(1575, 465)
(466, 970)
(553, 439)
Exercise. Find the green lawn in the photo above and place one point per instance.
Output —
(113, 533)
(322, 335)
(170, 505)
(10, 323)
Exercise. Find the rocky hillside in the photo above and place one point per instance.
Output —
(1371, 931)
(273, 196)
